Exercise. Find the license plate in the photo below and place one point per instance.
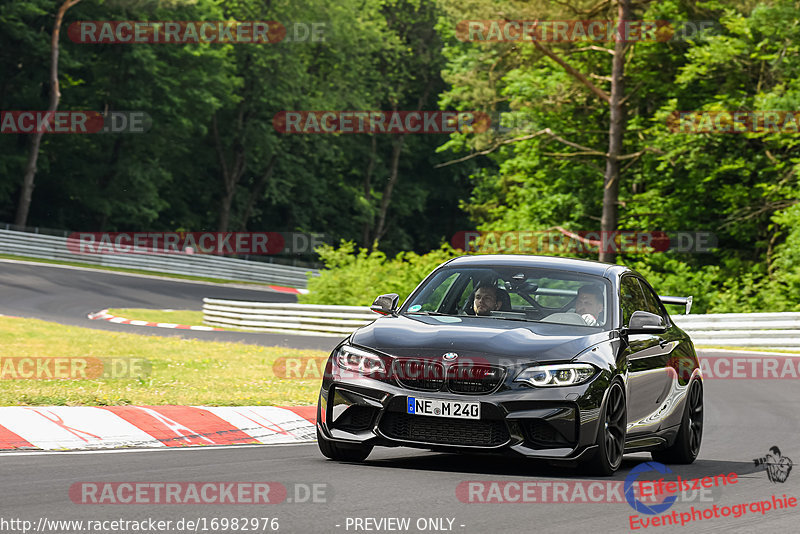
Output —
(443, 408)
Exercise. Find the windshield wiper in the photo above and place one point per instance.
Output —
(508, 318)
(427, 313)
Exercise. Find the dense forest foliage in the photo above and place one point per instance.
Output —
(580, 137)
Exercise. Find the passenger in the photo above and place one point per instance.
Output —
(589, 304)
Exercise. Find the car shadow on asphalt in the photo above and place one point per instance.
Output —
(519, 467)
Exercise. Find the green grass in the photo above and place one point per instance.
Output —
(132, 271)
(183, 371)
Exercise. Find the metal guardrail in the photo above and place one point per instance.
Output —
(725, 329)
(307, 319)
(779, 330)
(55, 248)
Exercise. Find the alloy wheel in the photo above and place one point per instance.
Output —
(695, 418)
(615, 425)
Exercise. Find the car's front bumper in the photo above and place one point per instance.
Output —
(557, 423)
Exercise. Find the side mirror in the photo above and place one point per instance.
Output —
(643, 322)
(386, 304)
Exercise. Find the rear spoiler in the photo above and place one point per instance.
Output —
(680, 301)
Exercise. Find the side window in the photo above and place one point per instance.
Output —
(653, 303)
(631, 298)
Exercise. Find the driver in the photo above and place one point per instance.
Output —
(589, 304)
(486, 299)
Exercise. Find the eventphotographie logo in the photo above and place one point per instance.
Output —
(777, 466)
(666, 492)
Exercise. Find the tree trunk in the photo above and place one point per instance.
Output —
(365, 238)
(230, 174)
(225, 211)
(397, 147)
(257, 191)
(26, 194)
(616, 130)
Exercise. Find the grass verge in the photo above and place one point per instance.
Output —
(182, 371)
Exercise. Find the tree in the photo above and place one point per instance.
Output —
(410, 78)
(36, 138)
(512, 60)
(312, 75)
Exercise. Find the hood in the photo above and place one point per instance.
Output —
(477, 337)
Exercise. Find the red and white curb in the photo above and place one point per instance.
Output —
(105, 316)
(104, 427)
(293, 290)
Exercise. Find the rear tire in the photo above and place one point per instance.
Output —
(342, 453)
(690, 435)
(611, 434)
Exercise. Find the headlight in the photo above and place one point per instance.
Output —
(568, 374)
(360, 361)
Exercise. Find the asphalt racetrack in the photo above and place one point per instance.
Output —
(67, 295)
(743, 419)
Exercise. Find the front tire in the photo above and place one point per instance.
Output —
(611, 434)
(687, 443)
(342, 453)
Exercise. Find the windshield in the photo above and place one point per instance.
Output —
(515, 293)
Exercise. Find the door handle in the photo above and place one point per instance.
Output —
(663, 343)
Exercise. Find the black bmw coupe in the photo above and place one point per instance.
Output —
(550, 358)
